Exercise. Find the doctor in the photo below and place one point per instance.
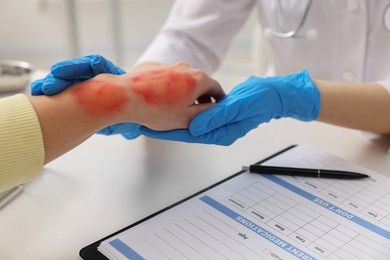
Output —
(337, 40)
(343, 43)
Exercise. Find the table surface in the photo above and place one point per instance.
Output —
(108, 183)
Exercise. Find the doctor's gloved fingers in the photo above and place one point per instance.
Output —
(68, 72)
(84, 67)
(181, 135)
(36, 87)
(128, 130)
(215, 117)
(224, 136)
(229, 133)
(50, 85)
(100, 65)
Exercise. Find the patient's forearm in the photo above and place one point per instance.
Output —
(161, 99)
(69, 118)
(364, 106)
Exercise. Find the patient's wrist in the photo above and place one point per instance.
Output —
(102, 98)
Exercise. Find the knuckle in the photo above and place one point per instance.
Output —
(183, 63)
(200, 73)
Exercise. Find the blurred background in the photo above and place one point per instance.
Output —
(43, 32)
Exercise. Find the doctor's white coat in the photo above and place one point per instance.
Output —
(351, 43)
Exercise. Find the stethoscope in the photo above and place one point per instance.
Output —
(293, 33)
(311, 34)
(386, 18)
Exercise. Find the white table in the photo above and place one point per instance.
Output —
(109, 182)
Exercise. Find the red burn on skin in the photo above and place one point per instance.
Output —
(161, 89)
(99, 98)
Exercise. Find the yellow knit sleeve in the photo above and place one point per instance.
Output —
(21, 143)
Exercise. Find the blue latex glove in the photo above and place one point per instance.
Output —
(254, 101)
(69, 72)
(182, 135)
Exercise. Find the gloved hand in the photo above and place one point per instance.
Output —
(255, 101)
(69, 72)
(181, 135)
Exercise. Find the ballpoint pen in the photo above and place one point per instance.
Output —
(305, 172)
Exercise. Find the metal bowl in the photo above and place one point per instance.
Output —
(14, 75)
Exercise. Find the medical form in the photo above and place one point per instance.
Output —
(253, 216)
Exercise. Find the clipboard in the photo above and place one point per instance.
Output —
(91, 252)
(256, 216)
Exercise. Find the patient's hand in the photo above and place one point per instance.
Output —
(161, 99)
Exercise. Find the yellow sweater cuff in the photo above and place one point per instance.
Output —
(21, 143)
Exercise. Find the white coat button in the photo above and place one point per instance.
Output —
(352, 5)
(348, 76)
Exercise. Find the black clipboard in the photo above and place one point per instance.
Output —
(91, 252)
